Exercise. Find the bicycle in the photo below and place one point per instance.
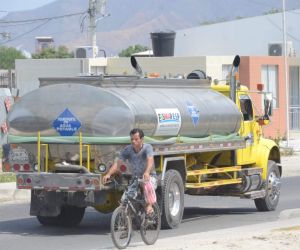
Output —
(131, 212)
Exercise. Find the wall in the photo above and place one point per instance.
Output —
(28, 71)
(250, 75)
(171, 66)
(165, 66)
(214, 66)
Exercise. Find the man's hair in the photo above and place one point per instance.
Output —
(137, 130)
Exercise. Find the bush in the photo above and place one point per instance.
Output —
(7, 177)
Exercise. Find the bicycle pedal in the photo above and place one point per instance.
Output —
(124, 235)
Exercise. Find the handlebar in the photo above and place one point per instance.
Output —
(115, 182)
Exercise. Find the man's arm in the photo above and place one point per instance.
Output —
(113, 169)
(150, 162)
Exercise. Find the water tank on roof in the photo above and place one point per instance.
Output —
(163, 43)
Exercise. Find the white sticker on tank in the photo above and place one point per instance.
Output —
(168, 122)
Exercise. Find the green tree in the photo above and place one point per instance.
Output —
(272, 11)
(47, 53)
(8, 56)
(63, 52)
(133, 49)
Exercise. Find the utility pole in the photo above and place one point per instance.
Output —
(286, 75)
(95, 7)
(92, 25)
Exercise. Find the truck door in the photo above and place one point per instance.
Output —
(248, 130)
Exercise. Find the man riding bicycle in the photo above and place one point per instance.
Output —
(140, 156)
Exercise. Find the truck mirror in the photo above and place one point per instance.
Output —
(268, 105)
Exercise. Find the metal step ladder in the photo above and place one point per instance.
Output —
(231, 179)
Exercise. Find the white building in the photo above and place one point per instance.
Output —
(28, 71)
(248, 36)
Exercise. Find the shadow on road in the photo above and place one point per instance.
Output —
(198, 213)
(92, 223)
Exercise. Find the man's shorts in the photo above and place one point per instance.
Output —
(132, 188)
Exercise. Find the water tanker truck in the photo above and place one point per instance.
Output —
(207, 140)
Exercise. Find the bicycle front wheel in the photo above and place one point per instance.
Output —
(150, 226)
(120, 228)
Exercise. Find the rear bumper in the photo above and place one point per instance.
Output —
(61, 182)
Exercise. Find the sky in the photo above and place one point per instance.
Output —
(19, 5)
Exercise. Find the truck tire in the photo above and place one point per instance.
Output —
(172, 199)
(69, 216)
(270, 201)
(48, 221)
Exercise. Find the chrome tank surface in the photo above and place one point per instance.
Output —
(114, 111)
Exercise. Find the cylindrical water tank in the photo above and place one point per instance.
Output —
(114, 111)
(163, 43)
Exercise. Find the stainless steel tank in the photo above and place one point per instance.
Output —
(113, 111)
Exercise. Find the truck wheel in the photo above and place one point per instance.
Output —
(270, 201)
(172, 199)
(69, 216)
(48, 221)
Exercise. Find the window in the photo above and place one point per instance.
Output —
(294, 98)
(246, 107)
(269, 77)
(226, 69)
(294, 86)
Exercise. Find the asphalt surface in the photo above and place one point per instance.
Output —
(282, 233)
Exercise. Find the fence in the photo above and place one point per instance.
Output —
(295, 117)
(7, 79)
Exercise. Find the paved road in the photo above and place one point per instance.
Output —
(19, 230)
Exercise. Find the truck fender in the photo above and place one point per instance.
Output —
(177, 163)
(267, 150)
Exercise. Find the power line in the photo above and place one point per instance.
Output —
(280, 28)
(41, 19)
(16, 24)
(31, 21)
(27, 32)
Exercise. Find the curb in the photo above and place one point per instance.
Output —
(289, 214)
(9, 192)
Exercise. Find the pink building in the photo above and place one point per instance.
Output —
(268, 70)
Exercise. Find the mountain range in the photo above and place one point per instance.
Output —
(129, 21)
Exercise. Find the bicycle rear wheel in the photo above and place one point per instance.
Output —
(150, 226)
(120, 228)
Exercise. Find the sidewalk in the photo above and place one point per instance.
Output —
(8, 192)
(281, 234)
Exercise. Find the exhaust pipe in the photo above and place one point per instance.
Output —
(234, 70)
